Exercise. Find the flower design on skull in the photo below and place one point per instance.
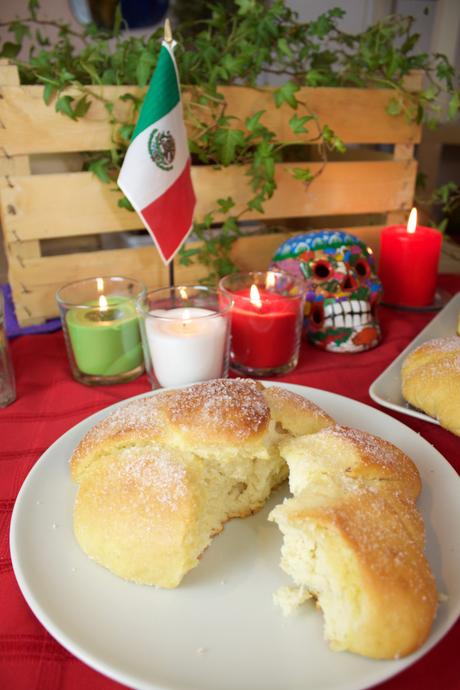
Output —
(342, 288)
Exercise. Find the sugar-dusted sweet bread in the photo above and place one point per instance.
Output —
(430, 380)
(354, 540)
(160, 475)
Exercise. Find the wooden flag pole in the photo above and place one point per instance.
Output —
(167, 32)
(168, 38)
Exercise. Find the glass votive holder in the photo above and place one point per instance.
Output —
(101, 329)
(7, 382)
(267, 316)
(185, 334)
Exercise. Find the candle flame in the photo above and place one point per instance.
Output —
(254, 296)
(183, 292)
(270, 280)
(100, 284)
(370, 251)
(103, 304)
(186, 315)
(412, 222)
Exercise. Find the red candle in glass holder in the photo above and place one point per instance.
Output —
(408, 265)
(266, 321)
(264, 328)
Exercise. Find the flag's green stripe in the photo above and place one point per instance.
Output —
(163, 94)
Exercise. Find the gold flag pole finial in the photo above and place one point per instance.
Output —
(168, 33)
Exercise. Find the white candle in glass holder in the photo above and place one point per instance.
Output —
(186, 345)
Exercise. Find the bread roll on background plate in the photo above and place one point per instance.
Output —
(430, 380)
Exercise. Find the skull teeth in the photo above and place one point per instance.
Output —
(347, 313)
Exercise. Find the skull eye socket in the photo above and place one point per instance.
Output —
(362, 268)
(322, 270)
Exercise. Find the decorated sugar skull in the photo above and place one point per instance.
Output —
(342, 288)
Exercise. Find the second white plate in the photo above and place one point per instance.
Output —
(386, 389)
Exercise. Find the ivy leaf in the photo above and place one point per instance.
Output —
(42, 40)
(286, 95)
(430, 93)
(10, 50)
(33, 6)
(283, 47)
(81, 107)
(394, 107)
(144, 68)
(314, 77)
(332, 140)
(126, 97)
(297, 124)
(442, 226)
(225, 204)
(19, 29)
(109, 76)
(117, 20)
(230, 226)
(90, 69)
(64, 106)
(252, 122)
(125, 203)
(186, 255)
(245, 6)
(208, 220)
(302, 174)
(227, 141)
(100, 168)
(126, 131)
(255, 204)
(48, 93)
(454, 105)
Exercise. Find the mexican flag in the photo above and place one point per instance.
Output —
(155, 175)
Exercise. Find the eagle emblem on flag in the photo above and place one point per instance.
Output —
(162, 149)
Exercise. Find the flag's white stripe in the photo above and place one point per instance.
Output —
(141, 180)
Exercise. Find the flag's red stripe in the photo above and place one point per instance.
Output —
(170, 216)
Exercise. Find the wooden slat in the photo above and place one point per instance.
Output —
(356, 115)
(17, 165)
(144, 263)
(9, 75)
(45, 206)
(35, 282)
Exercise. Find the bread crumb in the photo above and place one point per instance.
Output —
(201, 650)
(290, 598)
(442, 597)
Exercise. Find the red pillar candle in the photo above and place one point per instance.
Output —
(266, 321)
(408, 265)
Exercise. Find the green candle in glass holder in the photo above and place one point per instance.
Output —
(101, 329)
(105, 339)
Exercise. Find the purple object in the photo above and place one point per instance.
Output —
(13, 329)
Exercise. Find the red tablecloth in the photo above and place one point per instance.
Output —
(49, 403)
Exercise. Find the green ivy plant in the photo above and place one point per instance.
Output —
(241, 44)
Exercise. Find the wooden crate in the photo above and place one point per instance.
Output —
(74, 205)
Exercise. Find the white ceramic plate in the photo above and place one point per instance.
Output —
(219, 630)
(386, 389)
